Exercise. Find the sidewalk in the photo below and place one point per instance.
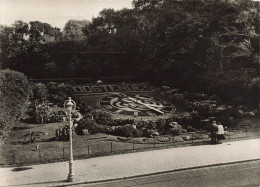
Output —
(133, 164)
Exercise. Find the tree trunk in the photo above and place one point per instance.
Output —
(220, 64)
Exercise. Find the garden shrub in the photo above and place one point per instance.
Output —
(14, 94)
(138, 133)
(5, 125)
(190, 129)
(58, 93)
(83, 107)
(120, 122)
(229, 83)
(161, 126)
(45, 113)
(89, 124)
(128, 131)
(102, 117)
(176, 129)
(39, 91)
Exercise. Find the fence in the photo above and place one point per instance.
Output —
(118, 147)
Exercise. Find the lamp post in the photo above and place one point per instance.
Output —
(70, 105)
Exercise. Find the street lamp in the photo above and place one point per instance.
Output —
(70, 105)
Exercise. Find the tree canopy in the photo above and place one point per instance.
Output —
(194, 44)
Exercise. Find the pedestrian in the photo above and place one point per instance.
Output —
(60, 132)
(220, 133)
(57, 133)
(213, 131)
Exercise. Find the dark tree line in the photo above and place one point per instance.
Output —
(201, 45)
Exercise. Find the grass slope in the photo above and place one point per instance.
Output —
(15, 151)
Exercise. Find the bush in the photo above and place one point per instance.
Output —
(5, 125)
(120, 122)
(39, 91)
(161, 126)
(89, 124)
(14, 93)
(83, 107)
(190, 129)
(176, 130)
(58, 93)
(102, 117)
(45, 113)
(128, 131)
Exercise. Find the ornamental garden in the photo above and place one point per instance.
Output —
(142, 116)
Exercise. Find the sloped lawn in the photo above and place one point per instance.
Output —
(18, 151)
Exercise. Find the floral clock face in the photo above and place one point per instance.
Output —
(135, 105)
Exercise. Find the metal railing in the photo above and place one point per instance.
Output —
(108, 147)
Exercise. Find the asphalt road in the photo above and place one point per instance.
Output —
(245, 174)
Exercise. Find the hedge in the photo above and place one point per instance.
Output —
(14, 93)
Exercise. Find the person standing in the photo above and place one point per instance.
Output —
(213, 131)
(220, 133)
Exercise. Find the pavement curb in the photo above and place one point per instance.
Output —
(157, 173)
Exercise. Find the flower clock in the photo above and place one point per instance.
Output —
(135, 105)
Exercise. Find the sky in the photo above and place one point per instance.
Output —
(55, 12)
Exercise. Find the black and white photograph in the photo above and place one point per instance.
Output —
(130, 93)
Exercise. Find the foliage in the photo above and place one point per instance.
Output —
(102, 117)
(55, 92)
(63, 133)
(127, 131)
(15, 90)
(58, 93)
(43, 32)
(206, 46)
(39, 91)
(89, 124)
(14, 94)
(84, 108)
(176, 129)
(190, 129)
(5, 125)
(120, 122)
(45, 113)
(73, 30)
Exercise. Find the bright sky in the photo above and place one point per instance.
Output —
(55, 12)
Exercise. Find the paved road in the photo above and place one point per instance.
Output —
(243, 174)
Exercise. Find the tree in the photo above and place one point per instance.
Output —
(21, 30)
(233, 29)
(43, 32)
(73, 29)
(14, 44)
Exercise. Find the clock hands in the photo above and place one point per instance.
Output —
(141, 103)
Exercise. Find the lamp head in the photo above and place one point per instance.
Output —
(69, 104)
